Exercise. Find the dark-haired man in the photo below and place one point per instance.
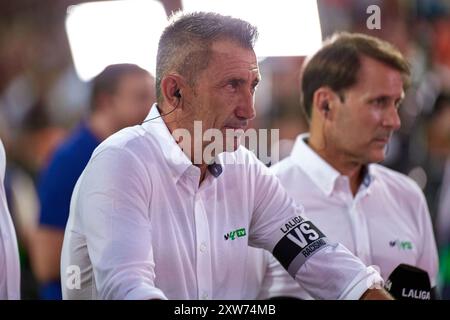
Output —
(351, 90)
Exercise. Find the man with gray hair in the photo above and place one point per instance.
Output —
(151, 218)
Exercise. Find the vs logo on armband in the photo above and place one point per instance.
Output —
(300, 241)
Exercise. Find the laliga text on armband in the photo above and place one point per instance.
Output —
(205, 145)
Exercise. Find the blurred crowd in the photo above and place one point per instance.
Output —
(42, 100)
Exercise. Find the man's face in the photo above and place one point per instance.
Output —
(223, 94)
(362, 125)
(132, 100)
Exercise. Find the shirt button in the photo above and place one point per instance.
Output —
(202, 247)
(205, 296)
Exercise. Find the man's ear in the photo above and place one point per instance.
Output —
(172, 86)
(324, 101)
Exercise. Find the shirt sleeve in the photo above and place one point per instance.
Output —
(113, 201)
(326, 270)
(277, 283)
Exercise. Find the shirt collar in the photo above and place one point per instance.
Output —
(318, 170)
(176, 158)
(368, 176)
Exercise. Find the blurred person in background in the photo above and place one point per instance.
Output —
(428, 163)
(351, 91)
(122, 95)
(438, 139)
(433, 142)
(27, 151)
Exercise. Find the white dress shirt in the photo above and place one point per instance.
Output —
(141, 227)
(386, 223)
(9, 253)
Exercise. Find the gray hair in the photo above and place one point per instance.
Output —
(185, 44)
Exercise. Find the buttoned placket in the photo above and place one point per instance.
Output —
(202, 237)
(363, 249)
(357, 217)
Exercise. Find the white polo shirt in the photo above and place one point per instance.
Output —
(385, 224)
(9, 253)
(141, 227)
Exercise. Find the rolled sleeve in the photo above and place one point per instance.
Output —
(334, 273)
(145, 292)
(364, 280)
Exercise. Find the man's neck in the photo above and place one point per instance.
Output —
(341, 163)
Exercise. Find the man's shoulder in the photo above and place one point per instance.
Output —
(131, 140)
(243, 162)
(395, 180)
(241, 156)
(285, 168)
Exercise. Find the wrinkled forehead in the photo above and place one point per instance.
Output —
(228, 58)
(230, 51)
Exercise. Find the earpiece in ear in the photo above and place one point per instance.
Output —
(326, 108)
(177, 93)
